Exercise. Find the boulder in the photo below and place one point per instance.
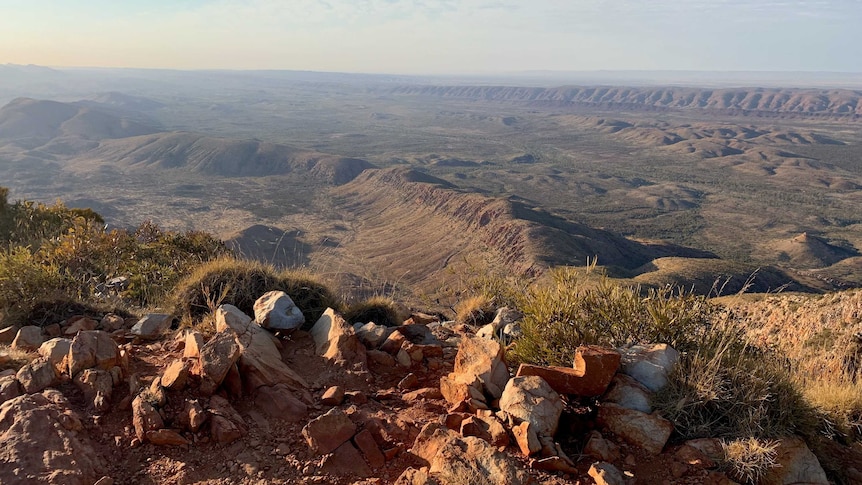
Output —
(364, 441)
(97, 386)
(226, 425)
(333, 396)
(372, 335)
(336, 341)
(152, 326)
(488, 428)
(412, 476)
(194, 341)
(426, 393)
(606, 474)
(92, 348)
(346, 461)
(648, 431)
(531, 399)
(479, 365)
(9, 388)
(526, 438)
(79, 324)
(36, 376)
(56, 352)
(8, 334)
(628, 393)
(279, 402)
(453, 459)
(111, 322)
(649, 364)
(145, 417)
(193, 415)
(42, 441)
(176, 375)
(275, 310)
(600, 448)
(796, 464)
(28, 338)
(260, 362)
(216, 358)
(328, 431)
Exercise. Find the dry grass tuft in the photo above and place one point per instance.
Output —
(378, 309)
(748, 460)
(15, 358)
(477, 311)
(241, 283)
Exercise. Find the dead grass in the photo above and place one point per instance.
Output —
(748, 460)
(241, 283)
(16, 358)
(378, 309)
(476, 311)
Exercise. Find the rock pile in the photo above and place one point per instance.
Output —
(425, 402)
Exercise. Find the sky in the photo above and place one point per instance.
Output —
(436, 37)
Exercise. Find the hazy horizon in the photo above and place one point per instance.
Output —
(467, 37)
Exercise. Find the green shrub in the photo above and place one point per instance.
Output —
(378, 309)
(23, 281)
(572, 309)
(241, 283)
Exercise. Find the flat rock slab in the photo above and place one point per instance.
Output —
(648, 431)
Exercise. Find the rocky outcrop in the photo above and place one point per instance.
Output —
(647, 431)
(454, 459)
(530, 398)
(480, 373)
(336, 341)
(41, 440)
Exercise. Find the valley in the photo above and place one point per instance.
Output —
(394, 185)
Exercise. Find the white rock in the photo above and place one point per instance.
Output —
(649, 364)
(152, 326)
(275, 310)
(532, 399)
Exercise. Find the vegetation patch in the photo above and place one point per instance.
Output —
(241, 283)
(378, 309)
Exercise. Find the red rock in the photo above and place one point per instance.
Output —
(479, 370)
(333, 396)
(216, 359)
(194, 342)
(78, 324)
(193, 415)
(648, 431)
(381, 358)
(356, 397)
(453, 420)
(488, 429)
(346, 461)
(410, 381)
(223, 430)
(527, 439)
(328, 431)
(166, 437)
(279, 402)
(52, 331)
(28, 338)
(111, 322)
(145, 418)
(391, 453)
(8, 334)
(554, 464)
(336, 341)
(606, 474)
(232, 383)
(424, 393)
(601, 449)
(393, 342)
(226, 425)
(692, 456)
(176, 375)
(594, 369)
(368, 447)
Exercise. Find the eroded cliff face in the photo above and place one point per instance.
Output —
(820, 102)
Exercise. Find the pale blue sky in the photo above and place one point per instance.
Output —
(436, 37)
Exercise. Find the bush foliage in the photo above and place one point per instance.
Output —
(571, 309)
(51, 252)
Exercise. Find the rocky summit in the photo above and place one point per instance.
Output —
(425, 402)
